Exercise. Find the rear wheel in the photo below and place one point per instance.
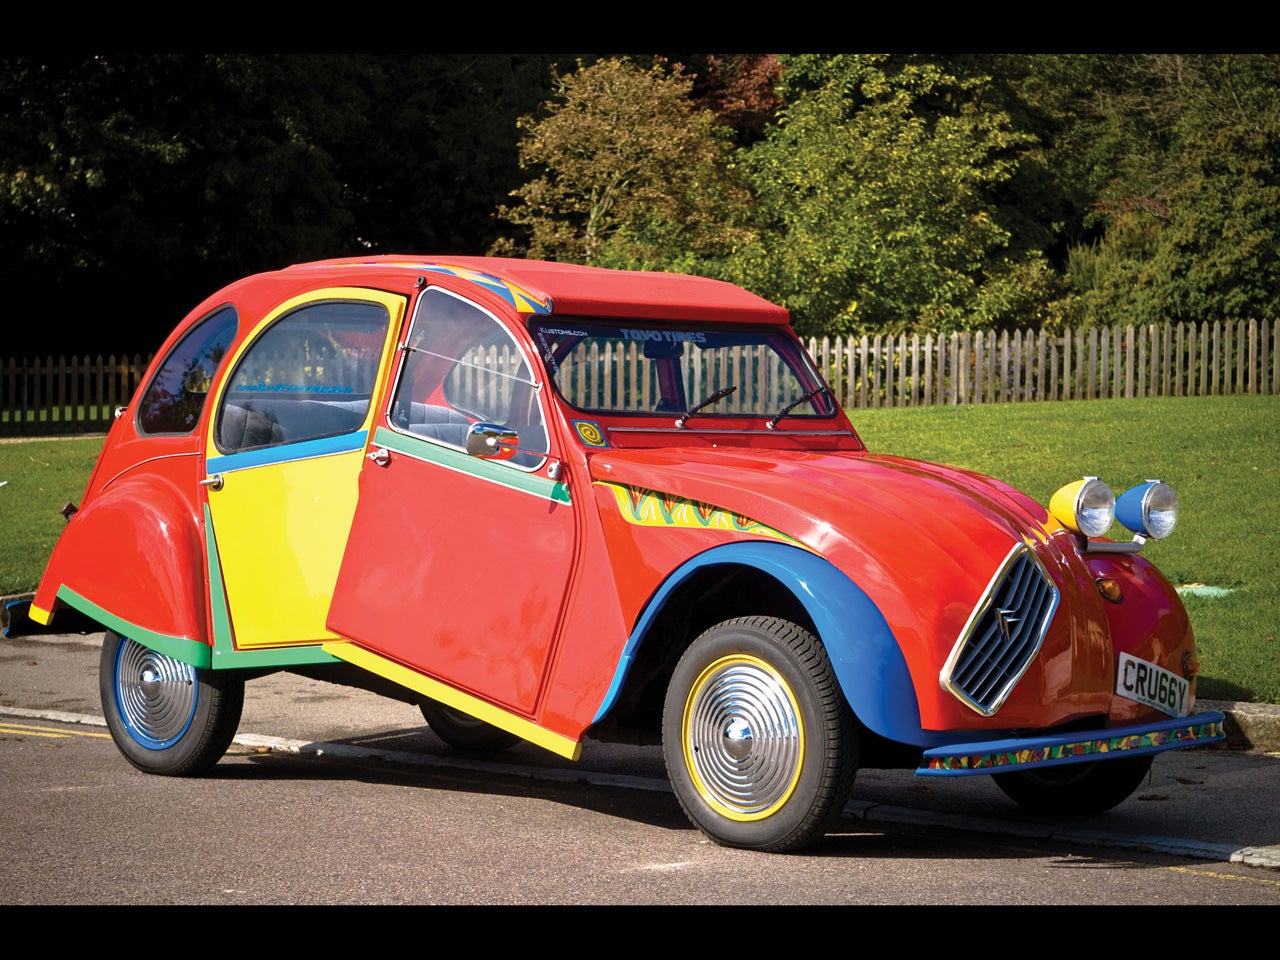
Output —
(760, 744)
(464, 732)
(1076, 789)
(167, 717)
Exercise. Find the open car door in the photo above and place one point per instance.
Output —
(457, 565)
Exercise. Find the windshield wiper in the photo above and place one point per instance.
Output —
(793, 404)
(714, 398)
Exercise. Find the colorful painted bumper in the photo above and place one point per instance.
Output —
(1006, 756)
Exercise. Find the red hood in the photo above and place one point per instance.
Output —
(897, 528)
(922, 541)
(886, 521)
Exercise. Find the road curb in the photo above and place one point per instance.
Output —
(1249, 726)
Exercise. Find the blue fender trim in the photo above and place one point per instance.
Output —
(1005, 756)
(866, 658)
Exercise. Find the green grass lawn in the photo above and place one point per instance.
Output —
(38, 477)
(1221, 454)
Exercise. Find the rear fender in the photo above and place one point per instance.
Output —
(133, 559)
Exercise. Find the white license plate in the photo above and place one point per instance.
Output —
(1155, 686)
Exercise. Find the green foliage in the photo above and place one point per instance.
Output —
(866, 193)
(628, 173)
(879, 184)
(1191, 212)
(435, 154)
(139, 183)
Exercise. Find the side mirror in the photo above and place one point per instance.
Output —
(491, 441)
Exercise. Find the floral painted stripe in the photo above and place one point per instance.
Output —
(650, 508)
(943, 761)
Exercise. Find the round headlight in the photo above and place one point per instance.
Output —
(1149, 509)
(1086, 506)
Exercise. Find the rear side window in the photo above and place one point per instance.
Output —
(309, 375)
(176, 395)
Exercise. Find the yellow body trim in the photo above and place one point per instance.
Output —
(280, 565)
(450, 697)
(41, 617)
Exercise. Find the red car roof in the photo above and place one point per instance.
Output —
(573, 289)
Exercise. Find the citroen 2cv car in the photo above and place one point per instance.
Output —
(551, 502)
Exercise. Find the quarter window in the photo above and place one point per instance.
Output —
(175, 397)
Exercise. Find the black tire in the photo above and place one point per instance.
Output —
(166, 717)
(1077, 789)
(760, 744)
(464, 732)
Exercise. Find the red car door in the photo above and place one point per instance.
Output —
(457, 565)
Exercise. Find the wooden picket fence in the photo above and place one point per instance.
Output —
(79, 395)
(1165, 360)
(76, 395)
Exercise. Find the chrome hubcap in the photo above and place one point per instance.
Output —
(743, 738)
(737, 738)
(156, 695)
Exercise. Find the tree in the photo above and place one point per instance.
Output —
(880, 186)
(1188, 222)
(740, 89)
(133, 185)
(627, 172)
(435, 154)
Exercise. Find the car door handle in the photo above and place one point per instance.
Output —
(381, 456)
(213, 483)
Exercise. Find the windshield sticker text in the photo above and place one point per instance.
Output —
(666, 336)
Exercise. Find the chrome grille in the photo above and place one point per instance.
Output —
(1003, 634)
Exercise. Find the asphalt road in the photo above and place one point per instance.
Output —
(1212, 804)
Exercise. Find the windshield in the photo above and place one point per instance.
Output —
(645, 367)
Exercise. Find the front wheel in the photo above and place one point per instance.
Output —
(167, 717)
(1076, 789)
(760, 744)
(464, 732)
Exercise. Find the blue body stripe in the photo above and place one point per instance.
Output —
(286, 452)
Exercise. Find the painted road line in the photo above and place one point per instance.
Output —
(27, 730)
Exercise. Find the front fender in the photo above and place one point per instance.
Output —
(133, 560)
(1149, 622)
(863, 652)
